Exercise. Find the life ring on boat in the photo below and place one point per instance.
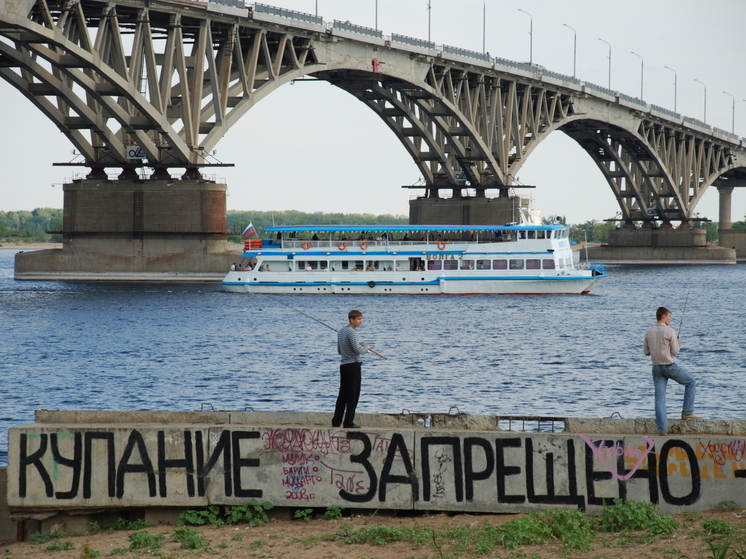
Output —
(371, 284)
(342, 246)
(441, 245)
(305, 245)
(363, 245)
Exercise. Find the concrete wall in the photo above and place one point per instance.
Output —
(736, 239)
(297, 461)
(660, 246)
(137, 231)
(465, 211)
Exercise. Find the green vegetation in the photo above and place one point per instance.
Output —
(728, 505)
(30, 227)
(333, 513)
(252, 513)
(304, 514)
(60, 545)
(143, 540)
(189, 538)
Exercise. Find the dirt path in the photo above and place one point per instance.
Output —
(438, 536)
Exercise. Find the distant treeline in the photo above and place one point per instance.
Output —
(32, 226)
(238, 220)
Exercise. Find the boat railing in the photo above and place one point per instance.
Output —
(595, 266)
(345, 243)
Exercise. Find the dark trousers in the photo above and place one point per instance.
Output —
(350, 376)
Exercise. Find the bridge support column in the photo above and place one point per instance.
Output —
(135, 230)
(727, 236)
(467, 211)
(725, 207)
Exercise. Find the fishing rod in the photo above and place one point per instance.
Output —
(678, 334)
(370, 349)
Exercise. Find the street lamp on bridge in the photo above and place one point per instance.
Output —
(574, 48)
(733, 113)
(531, 37)
(608, 43)
(484, 26)
(705, 86)
(675, 87)
(642, 72)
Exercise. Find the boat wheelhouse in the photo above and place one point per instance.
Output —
(416, 259)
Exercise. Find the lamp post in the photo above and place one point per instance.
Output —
(428, 20)
(484, 26)
(733, 112)
(585, 236)
(705, 86)
(642, 72)
(574, 48)
(608, 43)
(376, 15)
(675, 87)
(317, 8)
(531, 37)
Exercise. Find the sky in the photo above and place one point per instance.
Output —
(314, 148)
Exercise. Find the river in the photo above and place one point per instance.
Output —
(137, 346)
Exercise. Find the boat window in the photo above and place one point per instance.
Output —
(467, 264)
(434, 264)
(499, 264)
(450, 264)
(386, 265)
(533, 264)
(275, 265)
(483, 264)
(548, 264)
(532, 234)
(516, 264)
(521, 234)
(541, 234)
(371, 266)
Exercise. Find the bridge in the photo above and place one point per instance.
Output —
(147, 87)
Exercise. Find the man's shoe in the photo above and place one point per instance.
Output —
(689, 416)
(353, 426)
(663, 434)
(336, 423)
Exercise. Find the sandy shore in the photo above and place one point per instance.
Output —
(29, 246)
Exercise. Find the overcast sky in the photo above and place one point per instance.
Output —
(312, 147)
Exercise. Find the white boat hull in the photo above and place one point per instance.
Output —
(417, 284)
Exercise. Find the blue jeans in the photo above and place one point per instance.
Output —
(661, 374)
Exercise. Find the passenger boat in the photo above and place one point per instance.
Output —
(412, 259)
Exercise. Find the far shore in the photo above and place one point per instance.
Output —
(232, 247)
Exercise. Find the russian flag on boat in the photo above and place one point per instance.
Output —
(248, 231)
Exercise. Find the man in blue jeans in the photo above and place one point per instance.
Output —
(662, 345)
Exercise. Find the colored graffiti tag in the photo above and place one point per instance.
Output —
(608, 454)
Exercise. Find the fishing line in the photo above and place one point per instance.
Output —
(330, 328)
(678, 334)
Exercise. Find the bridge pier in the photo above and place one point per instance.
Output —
(137, 230)
(467, 210)
(661, 245)
(728, 237)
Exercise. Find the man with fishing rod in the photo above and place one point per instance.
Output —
(350, 371)
(662, 344)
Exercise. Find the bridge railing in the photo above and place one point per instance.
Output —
(413, 42)
(447, 49)
(360, 29)
(281, 12)
(231, 3)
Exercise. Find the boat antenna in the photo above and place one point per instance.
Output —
(330, 328)
(678, 334)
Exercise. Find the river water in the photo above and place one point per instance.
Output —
(113, 346)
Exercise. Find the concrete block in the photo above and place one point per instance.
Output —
(8, 527)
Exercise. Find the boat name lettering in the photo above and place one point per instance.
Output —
(443, 257)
